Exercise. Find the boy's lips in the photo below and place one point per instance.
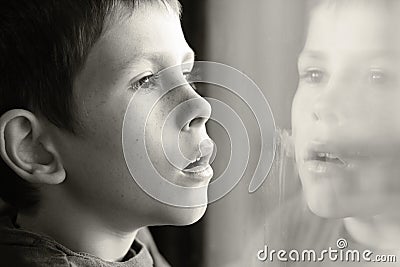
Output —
(200, 169)
(198, 165)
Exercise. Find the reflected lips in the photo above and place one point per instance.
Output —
(325, 157)
(319, 158)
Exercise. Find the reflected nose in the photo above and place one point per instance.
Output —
(327, 108)
(323, 114)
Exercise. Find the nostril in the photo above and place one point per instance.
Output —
(326, 117)
(315, 116)
(195, 122)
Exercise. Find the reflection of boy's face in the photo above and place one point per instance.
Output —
(97, 176)
(346, 113)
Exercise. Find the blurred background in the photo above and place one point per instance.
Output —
(261, 38)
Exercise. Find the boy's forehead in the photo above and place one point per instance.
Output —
(140, 32)
(365, 26)
(150, 36)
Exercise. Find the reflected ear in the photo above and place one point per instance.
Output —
(26, 148)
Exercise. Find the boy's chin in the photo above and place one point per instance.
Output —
(184, 216)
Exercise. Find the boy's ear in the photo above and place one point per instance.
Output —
(26, 148)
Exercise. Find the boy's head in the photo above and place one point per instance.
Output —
(69, 70)
(346, 112)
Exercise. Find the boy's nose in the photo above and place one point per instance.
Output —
(198, 111)
(193, 110)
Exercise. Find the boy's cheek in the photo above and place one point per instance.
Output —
(101, 120)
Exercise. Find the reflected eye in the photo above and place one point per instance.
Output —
(313, 76)
(377, 77)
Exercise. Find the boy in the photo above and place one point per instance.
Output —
(69, 70)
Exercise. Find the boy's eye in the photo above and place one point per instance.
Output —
(313, 76)
(144, 82)
(377, 77)
(150, 80)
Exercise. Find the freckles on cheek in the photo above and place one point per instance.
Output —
(102, 123)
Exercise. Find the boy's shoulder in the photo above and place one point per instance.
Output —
(23, 248)
(19, 247)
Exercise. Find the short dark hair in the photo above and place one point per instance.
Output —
(43, 46)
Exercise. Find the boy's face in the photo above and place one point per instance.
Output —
(346, 112)
(97, 176)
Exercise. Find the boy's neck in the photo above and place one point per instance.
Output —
(380, 231)
(79, 231)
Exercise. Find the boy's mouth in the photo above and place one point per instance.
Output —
(199, 164)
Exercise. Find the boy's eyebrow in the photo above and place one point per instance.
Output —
(156, 57)
(373, 54)
(383, 54)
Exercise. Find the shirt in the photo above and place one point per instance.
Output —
(22, 248)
